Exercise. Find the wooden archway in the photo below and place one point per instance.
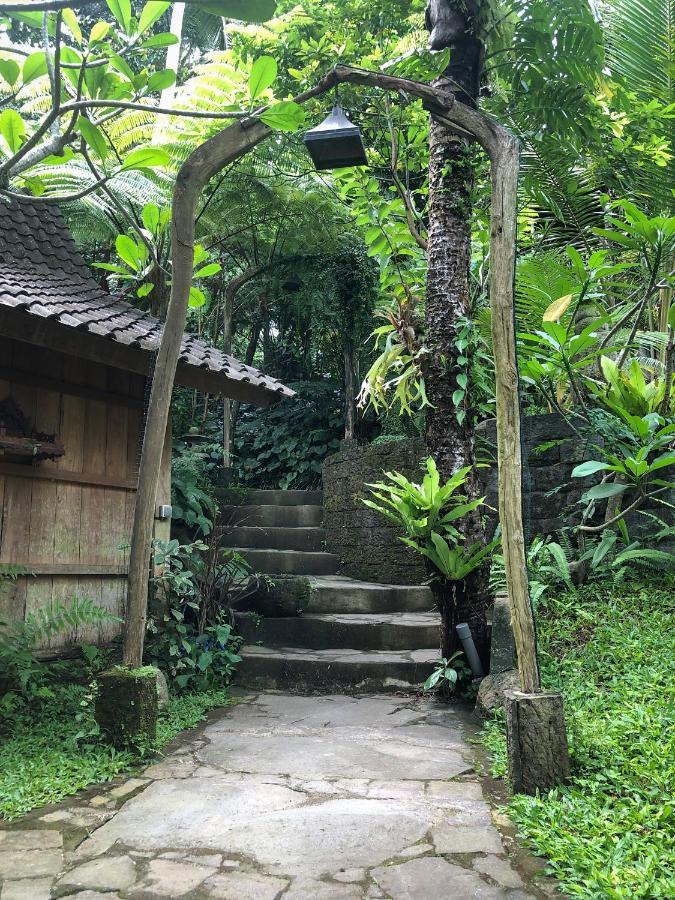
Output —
(231, 144)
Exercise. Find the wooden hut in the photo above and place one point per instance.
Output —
(74, 366)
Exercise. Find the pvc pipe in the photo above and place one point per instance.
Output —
(464, 634)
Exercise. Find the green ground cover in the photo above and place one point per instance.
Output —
(611, 832)
(53, 750)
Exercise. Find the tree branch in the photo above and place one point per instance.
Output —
(400, 190)
(10, 167)
(43, 5)
(63, 198)
(158, 110)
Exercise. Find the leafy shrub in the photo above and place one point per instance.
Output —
(447, 673)
(285, 446)
(191, 497)
(23, 678)
(425, 513)
(191, 620)
(605, 559)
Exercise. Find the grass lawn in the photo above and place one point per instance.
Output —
(54, 752)
(611, 832)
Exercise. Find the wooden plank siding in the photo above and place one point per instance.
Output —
(73, 532)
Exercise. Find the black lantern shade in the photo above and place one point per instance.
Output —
(336, 143)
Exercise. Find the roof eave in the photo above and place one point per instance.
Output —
(19, 324)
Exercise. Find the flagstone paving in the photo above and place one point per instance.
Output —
(305, 798)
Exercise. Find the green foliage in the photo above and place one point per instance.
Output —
(284, 446)
(190, 622)
(191, 496)
(554, 360)
(23, 679)
(628, 391)
(609, 558)
(636, 463)
(610, 832)
(425, 513)
(137, 267)
(446, 674)
(11, 571)
(395, 377)
(54, 749)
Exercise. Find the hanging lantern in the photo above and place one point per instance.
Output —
(336, 143)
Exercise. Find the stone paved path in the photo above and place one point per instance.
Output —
(305, 798)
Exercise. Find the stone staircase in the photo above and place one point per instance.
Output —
(326, 632)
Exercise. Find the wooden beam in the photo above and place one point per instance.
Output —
(18, 376)
(22, 326)
(220, 386)
(64, 569)
(17, 470)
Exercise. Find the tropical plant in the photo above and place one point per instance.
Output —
(554, 361)
(446, 674)
(611, 556)
(428, 514)
(634, 466)
(23, 678)
(628, 390)
(191, 613)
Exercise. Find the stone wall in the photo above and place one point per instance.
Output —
(545, 469)
(369, 549)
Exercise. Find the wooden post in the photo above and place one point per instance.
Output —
(231, 292)
(227, 403)
(350, 389)
(504, 156)
(537, 741)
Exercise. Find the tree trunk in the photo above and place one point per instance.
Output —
(251, 348)
(350, 390)
(173, 52)
(449, 423)
(159, 296)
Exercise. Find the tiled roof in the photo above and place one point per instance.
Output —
(43, 274)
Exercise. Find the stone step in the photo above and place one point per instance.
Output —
(345, 670)
(336, 594)
(279, 497)
(272, 538)
(289, 562)
(383, 631)
(303, 516)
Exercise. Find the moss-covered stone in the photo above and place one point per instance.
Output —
(369, 548)
(126, 706)
(280, 596)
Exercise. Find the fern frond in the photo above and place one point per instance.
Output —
(59, 617)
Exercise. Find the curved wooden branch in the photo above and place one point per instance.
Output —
(233, 143)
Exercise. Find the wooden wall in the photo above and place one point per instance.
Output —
(68, 520)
